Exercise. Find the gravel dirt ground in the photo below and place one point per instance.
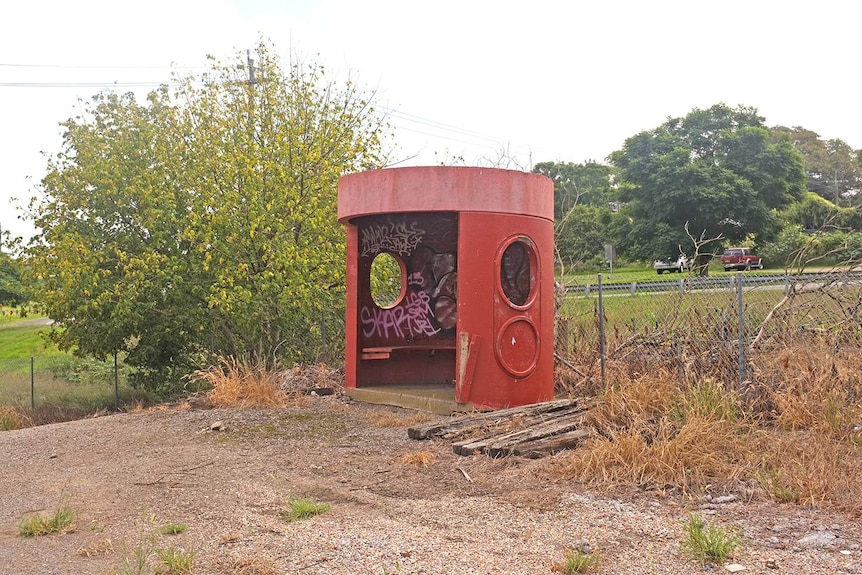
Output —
(227, 474)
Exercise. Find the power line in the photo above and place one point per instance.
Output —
(87, 84)
(98, 67)
(449, 132)
(435, 124)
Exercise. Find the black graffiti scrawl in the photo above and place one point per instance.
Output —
(427, 244)
(436, 275)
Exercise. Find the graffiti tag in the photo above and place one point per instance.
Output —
(398, 237)
(410, 320)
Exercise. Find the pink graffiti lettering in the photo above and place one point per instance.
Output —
(411, 319)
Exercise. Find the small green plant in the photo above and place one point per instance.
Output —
(173, 529)
(136, 564)
(708, 543)
(776, 488)
(303, 508)
(175, 561)
(577, 561)
(168, 560)
(62, 520)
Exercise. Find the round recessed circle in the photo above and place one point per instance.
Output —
(517, 347)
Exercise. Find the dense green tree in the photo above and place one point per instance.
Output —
(720, 170)
(584, 207)
(833, 167)
(203, 220)
(11, 289)
(578, 184)
(582, 234)
(813, 212)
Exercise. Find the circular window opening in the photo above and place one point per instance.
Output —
(387, 280)
(517, 278)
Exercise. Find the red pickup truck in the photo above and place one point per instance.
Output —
(740, 259)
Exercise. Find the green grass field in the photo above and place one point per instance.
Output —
(59, 380)
(25, 338)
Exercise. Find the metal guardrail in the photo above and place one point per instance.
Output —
(714, 282)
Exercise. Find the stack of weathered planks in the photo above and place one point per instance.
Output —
(531, 431)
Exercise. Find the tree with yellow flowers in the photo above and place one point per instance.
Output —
(202, 222)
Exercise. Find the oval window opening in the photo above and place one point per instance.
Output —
(516, 275)
(387, 284)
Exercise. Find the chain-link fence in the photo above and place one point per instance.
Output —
(747, 331)
(736, 328)
(61, 381)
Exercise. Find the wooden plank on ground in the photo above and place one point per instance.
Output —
(498, 445)
(509, 424)
(529, 431)
(474, 420)
(550, 445)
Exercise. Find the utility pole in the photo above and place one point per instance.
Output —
(251, 79)
(835, 185)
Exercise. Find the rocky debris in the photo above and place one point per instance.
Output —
(817, 540)
(200, 401)
(721, 499)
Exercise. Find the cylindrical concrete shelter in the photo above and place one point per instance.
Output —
(468, 256)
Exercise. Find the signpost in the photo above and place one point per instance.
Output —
(610, 254)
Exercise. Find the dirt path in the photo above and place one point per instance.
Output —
(27, 322)
(127, 476)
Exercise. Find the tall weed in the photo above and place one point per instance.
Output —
(242, 383)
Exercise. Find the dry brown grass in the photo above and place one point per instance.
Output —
(813, 387)
(103, 547)
(700, 452)
(809, 469)
(390, 419)
(420, 458)
(633, 403)
(249, 566)
(654, 433)
(238, 383)
(650, 433)
(13, 417)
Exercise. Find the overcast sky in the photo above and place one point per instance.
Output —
(543, 81)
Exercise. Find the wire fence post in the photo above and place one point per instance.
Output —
(601, 330)
(323, 341)
(32, 382)
(740, 323)
(116, 384)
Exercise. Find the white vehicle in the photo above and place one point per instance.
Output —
(670, 265)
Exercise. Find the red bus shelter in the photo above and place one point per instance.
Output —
(461, 307)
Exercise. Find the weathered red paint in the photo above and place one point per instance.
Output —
(476, 307)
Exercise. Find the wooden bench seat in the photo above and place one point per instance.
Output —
(385, 351)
